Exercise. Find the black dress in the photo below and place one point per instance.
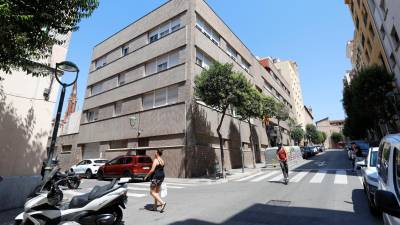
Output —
(158, 175)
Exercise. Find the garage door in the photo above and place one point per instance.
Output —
(90, 151)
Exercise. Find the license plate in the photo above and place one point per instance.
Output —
(146, 168)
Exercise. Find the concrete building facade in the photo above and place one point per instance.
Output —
(140, 93)
(290, 72)
(308, 116)
(376, 37)
(26, 109)
(330, 126)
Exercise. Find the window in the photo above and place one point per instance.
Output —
(373, 158)
(153, 35)
(245, 65)
(148, 100)
(202, 60)
(92, 115)
(382, 5)
(383, 161)
(357, 22)
(395, 38)
(369, 45)
(207, 30)
(125, 50)
(175, 24)
(66, 148)
(118, 144)
(117, 108)
(164, 29)
(231, 52)
(121, 79)
(100, 62)
(162, 63)
(362, 40)
(97, 88)
(160, 97)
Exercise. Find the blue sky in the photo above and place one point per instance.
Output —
(313, 33)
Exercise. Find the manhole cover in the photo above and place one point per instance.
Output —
(278, 203)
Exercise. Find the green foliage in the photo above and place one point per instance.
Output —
(366, 103)
(282, 112)
(297, 134)
(220, 87)
(312, 133)
(268, 106)
(337, 137)
(252, 105)
(324, 136)
(29, 29)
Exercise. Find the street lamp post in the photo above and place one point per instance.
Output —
(65, 66)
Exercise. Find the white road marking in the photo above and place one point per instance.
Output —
(260, 178)
(148, 185)
(277, 178)
(138, 189)
(361, 180)
(318, 177)
(249, 177)
(340, 177)
(71, 192)
(298, 177)
(135, 195)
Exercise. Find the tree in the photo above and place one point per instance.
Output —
(297, 134)
(324, 136)
(282, 114)
(220, 87)
(251, 107)
(366, 102)
(312, 133)
(29, 29)
(337, 137)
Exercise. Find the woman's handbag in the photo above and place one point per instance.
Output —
(163, 190)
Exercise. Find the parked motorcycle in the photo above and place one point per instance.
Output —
(101, 206)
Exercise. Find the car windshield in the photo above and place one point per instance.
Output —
(362, 145)
(100, 161)
(373, 158)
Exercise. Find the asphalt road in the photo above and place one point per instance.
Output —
(323, 191)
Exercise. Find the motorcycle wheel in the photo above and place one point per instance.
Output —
(117, 213)
(73, 184)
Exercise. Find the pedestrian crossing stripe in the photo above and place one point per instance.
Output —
(340, 177)
(318, 177)
(135, 195)
(251, 176)
(168, 185)
(138, 189)
(298, 177)
(270, 174)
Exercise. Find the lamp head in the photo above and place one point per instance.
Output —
(67, 66)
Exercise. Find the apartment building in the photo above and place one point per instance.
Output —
(290, 72)
(330, 126)
(26, 108)
(367, 46)
(140, 93)
(308, 116)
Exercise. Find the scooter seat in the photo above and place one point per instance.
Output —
(98, 191)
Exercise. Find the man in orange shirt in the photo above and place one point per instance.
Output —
(282, 157)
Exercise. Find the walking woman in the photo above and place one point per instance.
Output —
(157, 176)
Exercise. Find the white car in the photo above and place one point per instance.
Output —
(387, 197)
(88, 167)
(370, 178)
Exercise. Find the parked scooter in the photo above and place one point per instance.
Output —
(101, 206)
(69, 178)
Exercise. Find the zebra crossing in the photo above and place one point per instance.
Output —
(340, 176)
(135, 190)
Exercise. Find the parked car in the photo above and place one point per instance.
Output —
(88, 167)
(135, 166)
(387, 197)
(321, 148)
(370, 178)
(306, 152)
(315, 150)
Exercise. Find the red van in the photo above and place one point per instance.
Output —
(134, 166)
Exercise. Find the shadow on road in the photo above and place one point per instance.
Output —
(263, 214)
